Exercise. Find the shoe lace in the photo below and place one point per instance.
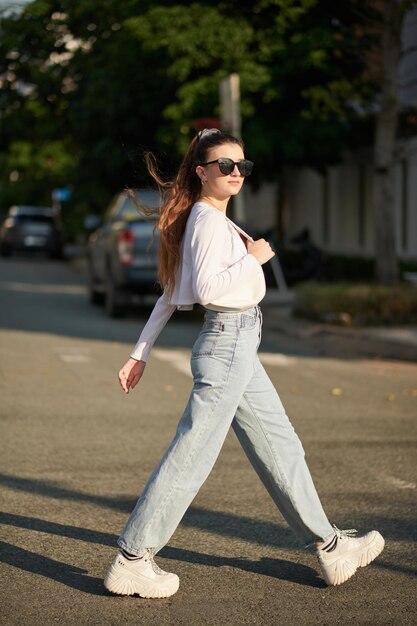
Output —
(344, 533)
(155, 567)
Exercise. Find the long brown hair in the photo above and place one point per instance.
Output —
(178, 197)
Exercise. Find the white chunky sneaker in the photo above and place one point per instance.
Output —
(341, 555)
(141, 576)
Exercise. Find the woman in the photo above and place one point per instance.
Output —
(206, 259)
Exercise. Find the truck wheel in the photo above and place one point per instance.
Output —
(95, 296)
(115, 302)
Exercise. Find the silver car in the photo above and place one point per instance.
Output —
(122, 252)
(31, 228)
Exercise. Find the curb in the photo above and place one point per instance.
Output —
(399, 343)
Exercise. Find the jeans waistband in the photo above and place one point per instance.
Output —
(233, 315)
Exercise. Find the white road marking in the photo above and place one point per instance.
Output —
(276, 358)
(400, 484)
(75, 358)
(180, 359)
(70, 290)
(73, 354)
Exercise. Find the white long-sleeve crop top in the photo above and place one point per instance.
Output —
(215, 270)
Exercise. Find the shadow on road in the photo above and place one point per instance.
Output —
(226, 524)
(258, 532)
(48, 297)
(52, 490)
(60, 530)
(76, 577)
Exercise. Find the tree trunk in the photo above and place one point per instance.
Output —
(283, 208)
(386, 267)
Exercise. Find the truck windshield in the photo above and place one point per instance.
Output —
(130, 211)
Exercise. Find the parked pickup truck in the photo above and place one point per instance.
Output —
(122, 252)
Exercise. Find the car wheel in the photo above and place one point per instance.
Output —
(95, 297)
(56, 254)
(115, 300)
(5, 250)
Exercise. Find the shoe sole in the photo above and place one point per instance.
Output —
(376, 545)
(127, 585)
(345, 569)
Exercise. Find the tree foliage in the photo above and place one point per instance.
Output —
(87, 86)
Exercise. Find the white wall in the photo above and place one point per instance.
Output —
(350, 196)
(261, 207)
(346, 194)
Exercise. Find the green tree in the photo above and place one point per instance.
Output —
(79, 102)
(37, 150)
(301, 66)
(87, 86)
(308, 89)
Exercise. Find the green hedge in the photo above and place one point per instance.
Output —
(357, 268)
(357, 304)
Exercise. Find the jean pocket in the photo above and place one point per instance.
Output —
(206, 342)
(247, 322)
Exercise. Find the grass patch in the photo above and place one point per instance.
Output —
(357, 304)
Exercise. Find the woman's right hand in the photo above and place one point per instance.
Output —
(261, 250)
(131, 373)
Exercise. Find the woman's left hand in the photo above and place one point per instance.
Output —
(131, 373)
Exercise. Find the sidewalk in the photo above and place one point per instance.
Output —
(392, 342)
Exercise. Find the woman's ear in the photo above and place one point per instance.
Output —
(199, 170)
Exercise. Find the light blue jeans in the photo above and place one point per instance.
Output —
(231, 387)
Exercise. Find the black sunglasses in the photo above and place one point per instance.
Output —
(226, 166)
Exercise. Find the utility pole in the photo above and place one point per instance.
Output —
(229, 92)
(229, 95)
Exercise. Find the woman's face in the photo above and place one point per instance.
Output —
(216, 184)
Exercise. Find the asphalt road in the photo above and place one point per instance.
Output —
(76, 451)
